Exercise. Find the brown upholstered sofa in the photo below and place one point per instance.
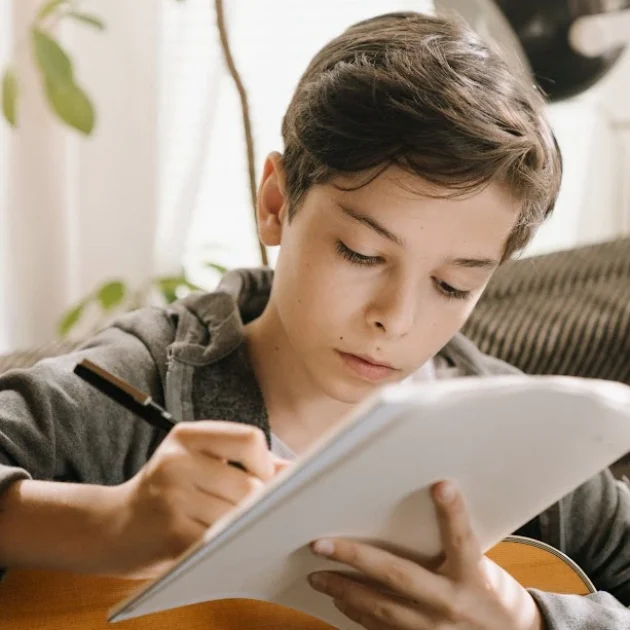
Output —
(563, 313)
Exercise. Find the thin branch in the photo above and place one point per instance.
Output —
(249, 139)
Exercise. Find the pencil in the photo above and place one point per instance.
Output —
(125, 394)
(129, 397)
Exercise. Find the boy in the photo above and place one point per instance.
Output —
(414, 163)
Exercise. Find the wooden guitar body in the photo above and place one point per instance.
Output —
(46, 600)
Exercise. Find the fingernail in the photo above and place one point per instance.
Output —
(446, 491)
(323, 547)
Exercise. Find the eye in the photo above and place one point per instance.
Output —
(355, 257)
(450, 292)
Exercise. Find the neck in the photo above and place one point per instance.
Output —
(299, 412)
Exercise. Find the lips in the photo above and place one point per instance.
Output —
(368, 368)
(369, 359)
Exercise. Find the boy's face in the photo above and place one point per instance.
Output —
(377, 275)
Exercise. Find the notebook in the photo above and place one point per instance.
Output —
(514, 444)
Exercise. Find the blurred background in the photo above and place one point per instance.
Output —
(145, 192)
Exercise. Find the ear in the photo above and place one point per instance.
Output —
(271, 205)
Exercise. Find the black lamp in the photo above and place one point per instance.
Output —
(568, 45)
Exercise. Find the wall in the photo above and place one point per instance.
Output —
(594, 134)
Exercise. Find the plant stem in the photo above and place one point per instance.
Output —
(249, 139)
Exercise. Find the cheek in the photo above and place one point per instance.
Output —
(439, 325)
(315, 296)
(322, 276)
(446, 326)
(325, 301)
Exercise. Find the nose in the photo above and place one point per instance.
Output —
(393, 309)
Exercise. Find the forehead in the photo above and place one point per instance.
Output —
(421, 213)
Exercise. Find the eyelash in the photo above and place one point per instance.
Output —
(355, 257)
(446, 290)
(449, 292)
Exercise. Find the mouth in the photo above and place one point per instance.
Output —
(367, 367)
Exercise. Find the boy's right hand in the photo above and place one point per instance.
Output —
(184, 488)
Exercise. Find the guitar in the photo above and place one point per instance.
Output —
(47, 600)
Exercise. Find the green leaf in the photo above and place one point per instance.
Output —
(9, 96)
(220, 268)
(70, 318)
(169, 285)
(71, 104)
(111, 294)
(175, 281)
(51, 58)
(48, 8)
(90, 20)
(169, 291)
(66, 98)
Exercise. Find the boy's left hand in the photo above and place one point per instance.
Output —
(468, 592)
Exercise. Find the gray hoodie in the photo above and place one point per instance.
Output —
(191, 359)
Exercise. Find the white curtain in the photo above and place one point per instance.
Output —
(272, 43)
(5, 47)
(76, 211)
(192, 73)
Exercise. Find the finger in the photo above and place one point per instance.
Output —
(217, 478)
(229, 441)
(205, 509)
(402, 576)
(461, 547)
(369, 607)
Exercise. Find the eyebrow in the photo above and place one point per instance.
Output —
(473, 263)
(373, 224)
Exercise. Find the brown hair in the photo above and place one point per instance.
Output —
(428, 95)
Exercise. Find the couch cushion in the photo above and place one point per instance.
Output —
(562, 313)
